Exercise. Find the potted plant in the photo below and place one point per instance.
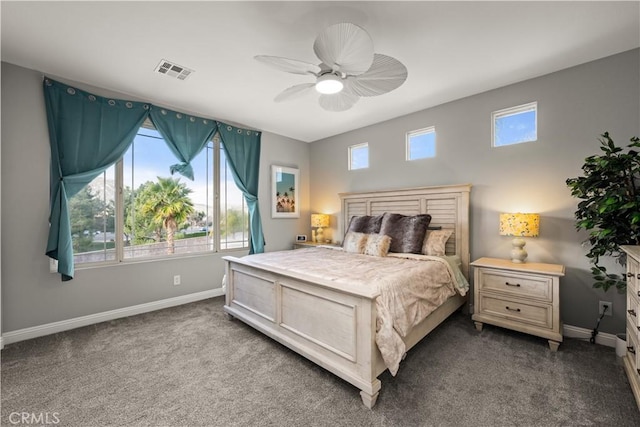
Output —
(609, 207)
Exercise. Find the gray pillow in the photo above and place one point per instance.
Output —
(365, 224)
(407, 232)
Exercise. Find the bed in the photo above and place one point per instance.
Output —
(334, 321)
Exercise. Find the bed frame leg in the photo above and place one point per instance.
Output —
(228, 316)
(369, 399)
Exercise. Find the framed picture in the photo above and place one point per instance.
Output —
(284, 192)
(301, 238)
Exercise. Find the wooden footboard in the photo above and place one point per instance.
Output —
(332, 326)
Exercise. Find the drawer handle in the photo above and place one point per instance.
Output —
(639, 293)
(631, 350)
(513, 309)
(638, 276)
(631, 312)
(516, 285)
(629, 274)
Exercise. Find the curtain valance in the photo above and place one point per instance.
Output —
(185, 135)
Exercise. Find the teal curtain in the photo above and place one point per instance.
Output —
(185, 135)
(243, 155)
(87, 134)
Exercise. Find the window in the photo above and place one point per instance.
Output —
(157, 214)
(234, 214)
(359, 156)
(421, 144)
(93, 215)
(515, 125)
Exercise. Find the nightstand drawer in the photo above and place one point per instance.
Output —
(516, 284)
(524, 312)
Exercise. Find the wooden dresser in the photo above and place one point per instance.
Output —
(523, 297)
(632, 358)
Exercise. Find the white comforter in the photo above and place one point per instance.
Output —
(410, 286)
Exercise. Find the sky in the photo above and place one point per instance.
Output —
(516, 128)
(153, 158)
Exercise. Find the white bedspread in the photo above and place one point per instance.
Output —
(410, 286)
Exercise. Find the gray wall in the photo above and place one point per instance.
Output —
(33, 296)
(574, 107)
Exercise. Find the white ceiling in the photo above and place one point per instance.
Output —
(451, 49)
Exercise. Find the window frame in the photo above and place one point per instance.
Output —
(420, 132)
(119, 212)
(512, 111)
(350, 157)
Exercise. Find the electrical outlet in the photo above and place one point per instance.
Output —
(176, 280)
(609, 305)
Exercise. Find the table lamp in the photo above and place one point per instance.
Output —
(519, 225)
(319, 221)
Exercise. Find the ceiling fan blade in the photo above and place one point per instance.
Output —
(340, 101)
(386, 74)
(345, 47)
(293, 92)
(289, 65)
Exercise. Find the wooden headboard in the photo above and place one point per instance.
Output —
(448, 206)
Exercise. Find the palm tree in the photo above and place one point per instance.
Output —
(169, 204)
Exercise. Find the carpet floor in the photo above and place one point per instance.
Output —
(190, 366)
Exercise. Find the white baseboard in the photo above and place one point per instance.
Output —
(602, 338)
(65, 325)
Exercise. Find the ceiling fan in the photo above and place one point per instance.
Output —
(349, 69)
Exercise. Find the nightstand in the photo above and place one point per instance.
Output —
(523, 297)
(300, 245)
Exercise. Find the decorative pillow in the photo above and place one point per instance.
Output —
(377, 245)
(407, 232)
(354, 242)
(365, 224)
(435, 242)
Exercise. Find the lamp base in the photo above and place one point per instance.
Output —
(518, 254)
(319, 235)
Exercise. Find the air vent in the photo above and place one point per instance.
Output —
(173, 70)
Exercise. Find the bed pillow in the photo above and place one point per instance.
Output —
(435, 242)
(365, 224)
(407, 232)
(377, 245)
(354, 242)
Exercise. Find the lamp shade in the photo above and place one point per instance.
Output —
(520, 224)
(319, 220)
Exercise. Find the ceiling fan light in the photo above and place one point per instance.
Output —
(329, 84)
